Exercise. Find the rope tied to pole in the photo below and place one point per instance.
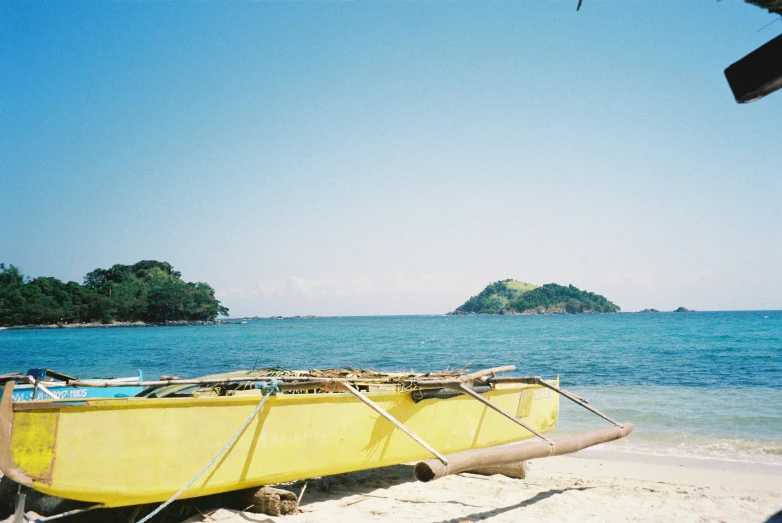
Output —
(273, 387)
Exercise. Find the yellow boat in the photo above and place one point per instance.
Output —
(129, 451)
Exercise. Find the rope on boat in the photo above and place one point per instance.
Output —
(272, 388)
(64, 514)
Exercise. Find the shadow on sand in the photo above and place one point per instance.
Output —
(540, 496)
(320, 489)
(355, 483)
(358, 484)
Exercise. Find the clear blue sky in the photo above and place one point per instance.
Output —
(393, 157)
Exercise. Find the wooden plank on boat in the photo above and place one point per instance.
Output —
(42, 405)
(9, 377)
(514, 452)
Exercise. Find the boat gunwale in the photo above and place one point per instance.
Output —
(68, 385)
(222, 401)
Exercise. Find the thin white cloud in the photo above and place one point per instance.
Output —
(361, 285)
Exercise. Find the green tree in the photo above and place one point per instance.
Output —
(148, 290)
(510, 296)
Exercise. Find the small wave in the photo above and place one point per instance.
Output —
(682, 445)
(689, 445)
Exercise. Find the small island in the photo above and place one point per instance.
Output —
(149, 291)
(683, 309)
(518, 297)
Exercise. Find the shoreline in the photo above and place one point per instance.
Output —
(177, 323)
(692, 461)
(239, 320)
(174, 323)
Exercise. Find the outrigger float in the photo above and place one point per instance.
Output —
(184, 438)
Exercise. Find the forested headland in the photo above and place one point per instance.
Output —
(518, 297)
(148, 291)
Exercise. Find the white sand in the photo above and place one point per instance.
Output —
(561, 489)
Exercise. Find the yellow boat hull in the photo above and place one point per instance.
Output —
(130, 451)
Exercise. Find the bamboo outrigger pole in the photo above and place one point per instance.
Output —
(537, 380)
(432, 469)
(467, 390)
(377, 408)
(516, 452)
(580, 401)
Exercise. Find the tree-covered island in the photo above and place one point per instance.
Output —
(148, 291)
(518, 297)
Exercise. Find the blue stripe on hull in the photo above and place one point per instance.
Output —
(76, 393)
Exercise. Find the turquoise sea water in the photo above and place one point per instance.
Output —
(695, 384)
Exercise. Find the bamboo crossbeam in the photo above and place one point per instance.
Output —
(530, 380)
(37, 386)
(579, 401)
(537, 380)
(377, 408)
(467, 390)
(488, 372)
(43, 389)
(466, 460)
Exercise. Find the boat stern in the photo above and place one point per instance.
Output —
(27, 441)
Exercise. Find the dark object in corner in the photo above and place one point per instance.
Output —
(757, 74)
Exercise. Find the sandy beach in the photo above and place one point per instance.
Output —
(566, 489)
